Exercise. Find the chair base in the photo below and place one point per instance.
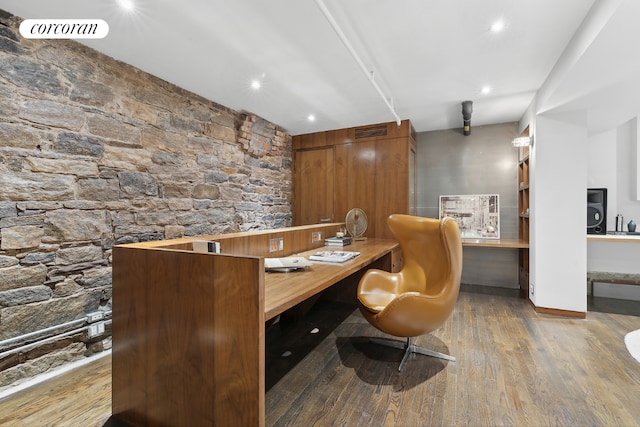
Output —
(409, 347)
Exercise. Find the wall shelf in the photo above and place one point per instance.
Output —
(523, 219)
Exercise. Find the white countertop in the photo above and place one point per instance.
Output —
(625, 238)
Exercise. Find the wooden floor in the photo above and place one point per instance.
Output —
(514, 367)
(79, 398)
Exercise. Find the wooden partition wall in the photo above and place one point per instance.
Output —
(256, 243)
(188, 328)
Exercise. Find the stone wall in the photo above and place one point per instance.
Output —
(93, 153)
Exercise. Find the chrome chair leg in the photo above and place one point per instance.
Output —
(409, 347)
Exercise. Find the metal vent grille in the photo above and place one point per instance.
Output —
(371, 131)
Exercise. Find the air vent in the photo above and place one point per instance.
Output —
(371, 131)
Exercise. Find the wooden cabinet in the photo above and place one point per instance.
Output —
(394, 182)
(356, 178)
(370, 167)
(314, 169)
(523, 219)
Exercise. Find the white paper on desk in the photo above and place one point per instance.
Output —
(334, 256)
(287, 262)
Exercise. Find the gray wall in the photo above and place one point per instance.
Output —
(481, 163)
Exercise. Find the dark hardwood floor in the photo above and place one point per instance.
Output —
(515, 367)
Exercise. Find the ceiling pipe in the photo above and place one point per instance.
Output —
(467, 109)
(369, 73)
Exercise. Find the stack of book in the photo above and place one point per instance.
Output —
(337, 241)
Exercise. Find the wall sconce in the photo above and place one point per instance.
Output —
(523, 141)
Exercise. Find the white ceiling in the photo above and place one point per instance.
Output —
(427, 55)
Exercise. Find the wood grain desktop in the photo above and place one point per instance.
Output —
(285, 290)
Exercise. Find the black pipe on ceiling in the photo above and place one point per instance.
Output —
(467, 109)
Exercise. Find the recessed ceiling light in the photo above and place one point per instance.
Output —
(255, 84)
(486, 90)
(311, 118)
(127, 5)
(497, 26)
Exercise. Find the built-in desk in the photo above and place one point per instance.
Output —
(622, 238)
(188, 328)
(612, 260)
(284, 290)
(497, 243)
(499, 264)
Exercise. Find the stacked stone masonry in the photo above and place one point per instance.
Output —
(94, 153)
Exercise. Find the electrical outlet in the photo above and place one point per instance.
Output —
(276, 244)
(531, 289)
(316, 236)
(94, 317)
(95, 330)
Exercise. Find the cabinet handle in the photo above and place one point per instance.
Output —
(325, 219)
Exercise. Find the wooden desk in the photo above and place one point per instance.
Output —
(188, 328)
(498, 243)
(621, 238)
(284, 290)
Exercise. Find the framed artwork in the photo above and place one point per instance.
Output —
(477, 215)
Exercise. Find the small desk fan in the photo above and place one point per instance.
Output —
(356, 223)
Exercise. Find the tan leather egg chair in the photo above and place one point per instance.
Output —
(418, 299)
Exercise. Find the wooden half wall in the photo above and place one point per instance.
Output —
(257, 243)
(188, 328)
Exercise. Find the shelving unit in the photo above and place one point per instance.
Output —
(523, 219)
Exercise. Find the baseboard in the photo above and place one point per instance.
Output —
(41, 378)
(559, 312)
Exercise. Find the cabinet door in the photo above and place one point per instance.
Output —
(313, 186)
(355, 181)
(392, 182)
